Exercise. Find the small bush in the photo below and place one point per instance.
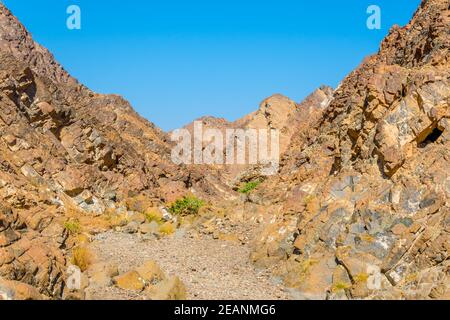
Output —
(186, 206)
(167, 228)
(361, 277)
(249, 187)
(73, 226)
(117, 220)
(152, 215)
(82, 258)
(340, 286)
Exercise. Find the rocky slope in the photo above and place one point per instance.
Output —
(360, 208)
(66, 152)
(276, 112)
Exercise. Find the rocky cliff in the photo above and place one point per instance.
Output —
(276, 112)
(360, 208)
(66, 151)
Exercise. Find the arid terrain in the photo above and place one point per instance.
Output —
(93, 207)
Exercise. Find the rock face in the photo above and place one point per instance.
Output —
(360, 208)
(276, 112)
(16, 40)
(63, 148)
(281, 113)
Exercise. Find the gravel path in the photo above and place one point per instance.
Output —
(211, 269)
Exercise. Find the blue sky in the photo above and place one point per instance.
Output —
(177, 60)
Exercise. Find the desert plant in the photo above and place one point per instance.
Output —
(82, 257)
(167, 228)
(73, 226)
(152, 215)
(186, 206)
(249, 187)
(340, 286)
(361, 277)
(117, 219)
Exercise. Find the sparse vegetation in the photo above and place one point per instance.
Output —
(340, 286)
(167, 228)
(249, 187)
(308, 199)
(152, 215)
(82, 238)
(116, 220)
(73, 226)
(189, 205)
(361, 277)
(304, 268)
(82, 257)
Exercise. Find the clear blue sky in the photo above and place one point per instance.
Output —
(176, 60)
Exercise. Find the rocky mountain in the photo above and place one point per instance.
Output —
(276, 112)
(360, 208)
(67, 151)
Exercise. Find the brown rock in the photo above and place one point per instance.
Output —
(150, 272)
(130, 280)
(101, 274)
(15, 290)
(169, 289)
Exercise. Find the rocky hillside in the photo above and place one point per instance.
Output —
(67, 152)
(276, 112)
(360, 208)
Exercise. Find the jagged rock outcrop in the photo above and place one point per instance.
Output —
(360, 208)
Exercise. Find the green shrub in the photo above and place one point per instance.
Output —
(73, 226)
(249, 187)
(187, 206)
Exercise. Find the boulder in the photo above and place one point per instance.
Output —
(130, 280)
(101, 274)
(169, 289)
(15, 290)
(131, 227)
(150, 272)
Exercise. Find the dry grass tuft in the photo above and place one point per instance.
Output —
(82, 257)
(73, 226)
(167, 228)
